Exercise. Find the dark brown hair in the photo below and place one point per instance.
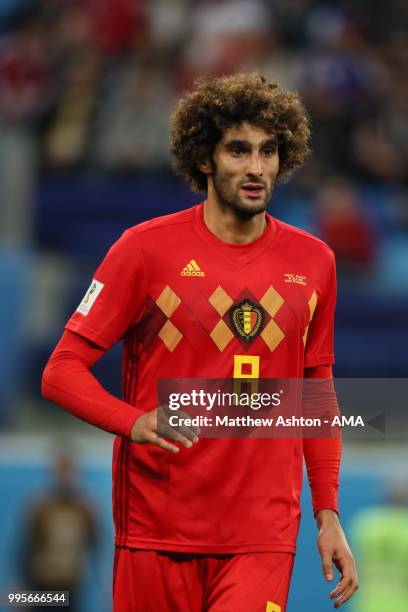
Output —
(216, 104)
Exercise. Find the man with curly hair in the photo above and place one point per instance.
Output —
(221, 290)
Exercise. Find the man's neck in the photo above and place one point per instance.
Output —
(228, 226)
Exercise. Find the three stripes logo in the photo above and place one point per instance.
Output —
(192, 269)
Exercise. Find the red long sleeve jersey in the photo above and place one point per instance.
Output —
(170, 289)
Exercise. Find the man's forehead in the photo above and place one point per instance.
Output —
(247, 131)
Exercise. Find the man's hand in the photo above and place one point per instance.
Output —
(333, 548)
(145, 429)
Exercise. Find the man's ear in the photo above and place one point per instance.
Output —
(205, 167)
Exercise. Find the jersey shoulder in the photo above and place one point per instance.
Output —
(296, 235)
(164, 222)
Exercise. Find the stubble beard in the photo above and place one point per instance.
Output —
(230, 197)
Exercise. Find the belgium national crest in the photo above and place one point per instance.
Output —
(247, 319)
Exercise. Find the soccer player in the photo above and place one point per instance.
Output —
(211, 524)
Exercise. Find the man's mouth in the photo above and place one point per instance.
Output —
(252, 190)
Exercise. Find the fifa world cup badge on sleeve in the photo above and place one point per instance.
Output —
(90, 297)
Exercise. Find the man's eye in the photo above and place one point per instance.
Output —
(237, 151)
(269, 152)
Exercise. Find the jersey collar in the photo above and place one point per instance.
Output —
(241, 254)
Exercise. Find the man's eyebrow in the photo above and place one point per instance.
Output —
(236, 142)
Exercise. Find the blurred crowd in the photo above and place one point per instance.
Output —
(95, 79)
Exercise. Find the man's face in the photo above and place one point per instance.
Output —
(245, 166)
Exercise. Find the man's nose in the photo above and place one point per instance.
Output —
(256, 167)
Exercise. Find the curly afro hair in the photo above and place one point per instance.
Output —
(216, 104)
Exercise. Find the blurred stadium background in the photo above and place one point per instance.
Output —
(85, 91)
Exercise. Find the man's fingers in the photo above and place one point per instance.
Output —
(178, 437)
(350, 590)
(152, 437)
(156, 428)
(327, 565)
(342, 600)
(189, 432)
(193, 430)
(343, 584)
(164, 428)
(166, 431)
(348, 583)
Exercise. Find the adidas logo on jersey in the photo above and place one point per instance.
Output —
(192, 269)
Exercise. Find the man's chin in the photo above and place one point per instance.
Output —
(249, 208)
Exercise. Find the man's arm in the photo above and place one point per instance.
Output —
(68, 381)
(322, 457)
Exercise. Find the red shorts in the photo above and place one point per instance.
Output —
(149, 581)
